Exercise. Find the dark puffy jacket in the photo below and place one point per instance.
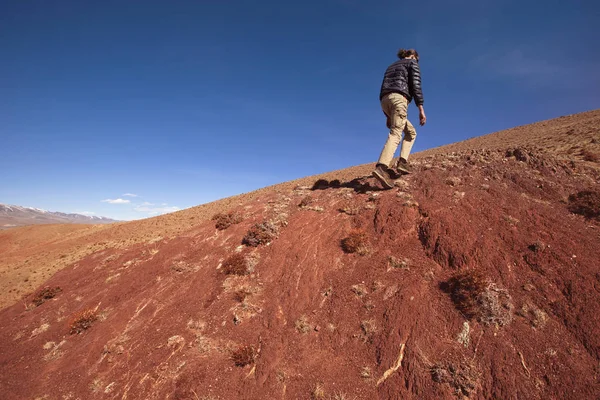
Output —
(404, 77)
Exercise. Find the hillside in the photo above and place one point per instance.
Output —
(12, 216)
(476, 277)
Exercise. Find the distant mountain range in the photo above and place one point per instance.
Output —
(12, 216)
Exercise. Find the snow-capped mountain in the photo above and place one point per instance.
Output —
(11, 216)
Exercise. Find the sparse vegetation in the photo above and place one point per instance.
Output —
(262, 233)
(236, 264)
(302, 325)
(244, 355)
(586, 203)
(368, 329)
(350, 209)
(397, 263)
(462, 378)
(83, 321)
(477, 297)
(365, 372)
(305, 202)
(356, 242)
(318, 392)
(590, 156)
(359, 289)
(44, 294)
(241, 295)
(224, 221)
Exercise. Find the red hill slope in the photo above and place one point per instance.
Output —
(477, 277)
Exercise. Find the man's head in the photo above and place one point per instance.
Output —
(410, 53)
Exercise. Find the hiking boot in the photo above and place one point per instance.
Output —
(403, 167)
(382, 176)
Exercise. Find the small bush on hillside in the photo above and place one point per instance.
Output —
(243, 355)
(236, 264)
(224, 221)
(477, 297)
(320, 184)
(463, 378)
(590, 156)
(350, 209)
(262, 233)
(305, 202)
(44, 294)
(83, 321)
(356, 242)
(586, 203)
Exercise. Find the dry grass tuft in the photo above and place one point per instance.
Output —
(302, 325)
(586, 203)
(262, 233)
(318, 392)
(44, 294)
(241, 295)
(356, 242)
(462, 378)
(368, 328)
(83, 321)
(590, 156)
(397, 263)
(244, 355)
(224, 221)
(236, 264)
(477, 297)
(350, 209)
(305, 202)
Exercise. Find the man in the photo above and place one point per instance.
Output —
(401, 83)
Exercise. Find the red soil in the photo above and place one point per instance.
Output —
(311, 320)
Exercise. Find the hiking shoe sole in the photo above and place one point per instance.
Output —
(403, 171)
(383, 180)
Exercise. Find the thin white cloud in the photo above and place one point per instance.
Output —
(116, 201)
(130, 195)
(147, 203)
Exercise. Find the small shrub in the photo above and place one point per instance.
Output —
(243, 355)
(397, 263)
(478, 298)
(320, 184)
(236, 264)
(356, 242)
(318, 392)
(305, 202)
(590, 156)
(368, 328)
(241, 295)
(262, 233)
(586, 203)
(463, 378)
(44, 294)
(350, 209)
(302, 325)
(83, 321)
(224, 221)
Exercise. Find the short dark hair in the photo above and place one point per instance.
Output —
(403, 53)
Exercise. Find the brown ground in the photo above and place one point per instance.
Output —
(153, 315)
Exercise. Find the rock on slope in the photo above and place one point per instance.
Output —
(477, 277)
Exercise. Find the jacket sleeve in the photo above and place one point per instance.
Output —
(415, 83)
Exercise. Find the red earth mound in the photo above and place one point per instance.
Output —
(477, 281)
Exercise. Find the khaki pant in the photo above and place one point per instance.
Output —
(395, 106)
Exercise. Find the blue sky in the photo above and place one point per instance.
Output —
(184, 102)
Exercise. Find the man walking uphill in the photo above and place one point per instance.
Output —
(401, 83)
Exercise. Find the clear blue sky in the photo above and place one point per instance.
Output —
(185, 102)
